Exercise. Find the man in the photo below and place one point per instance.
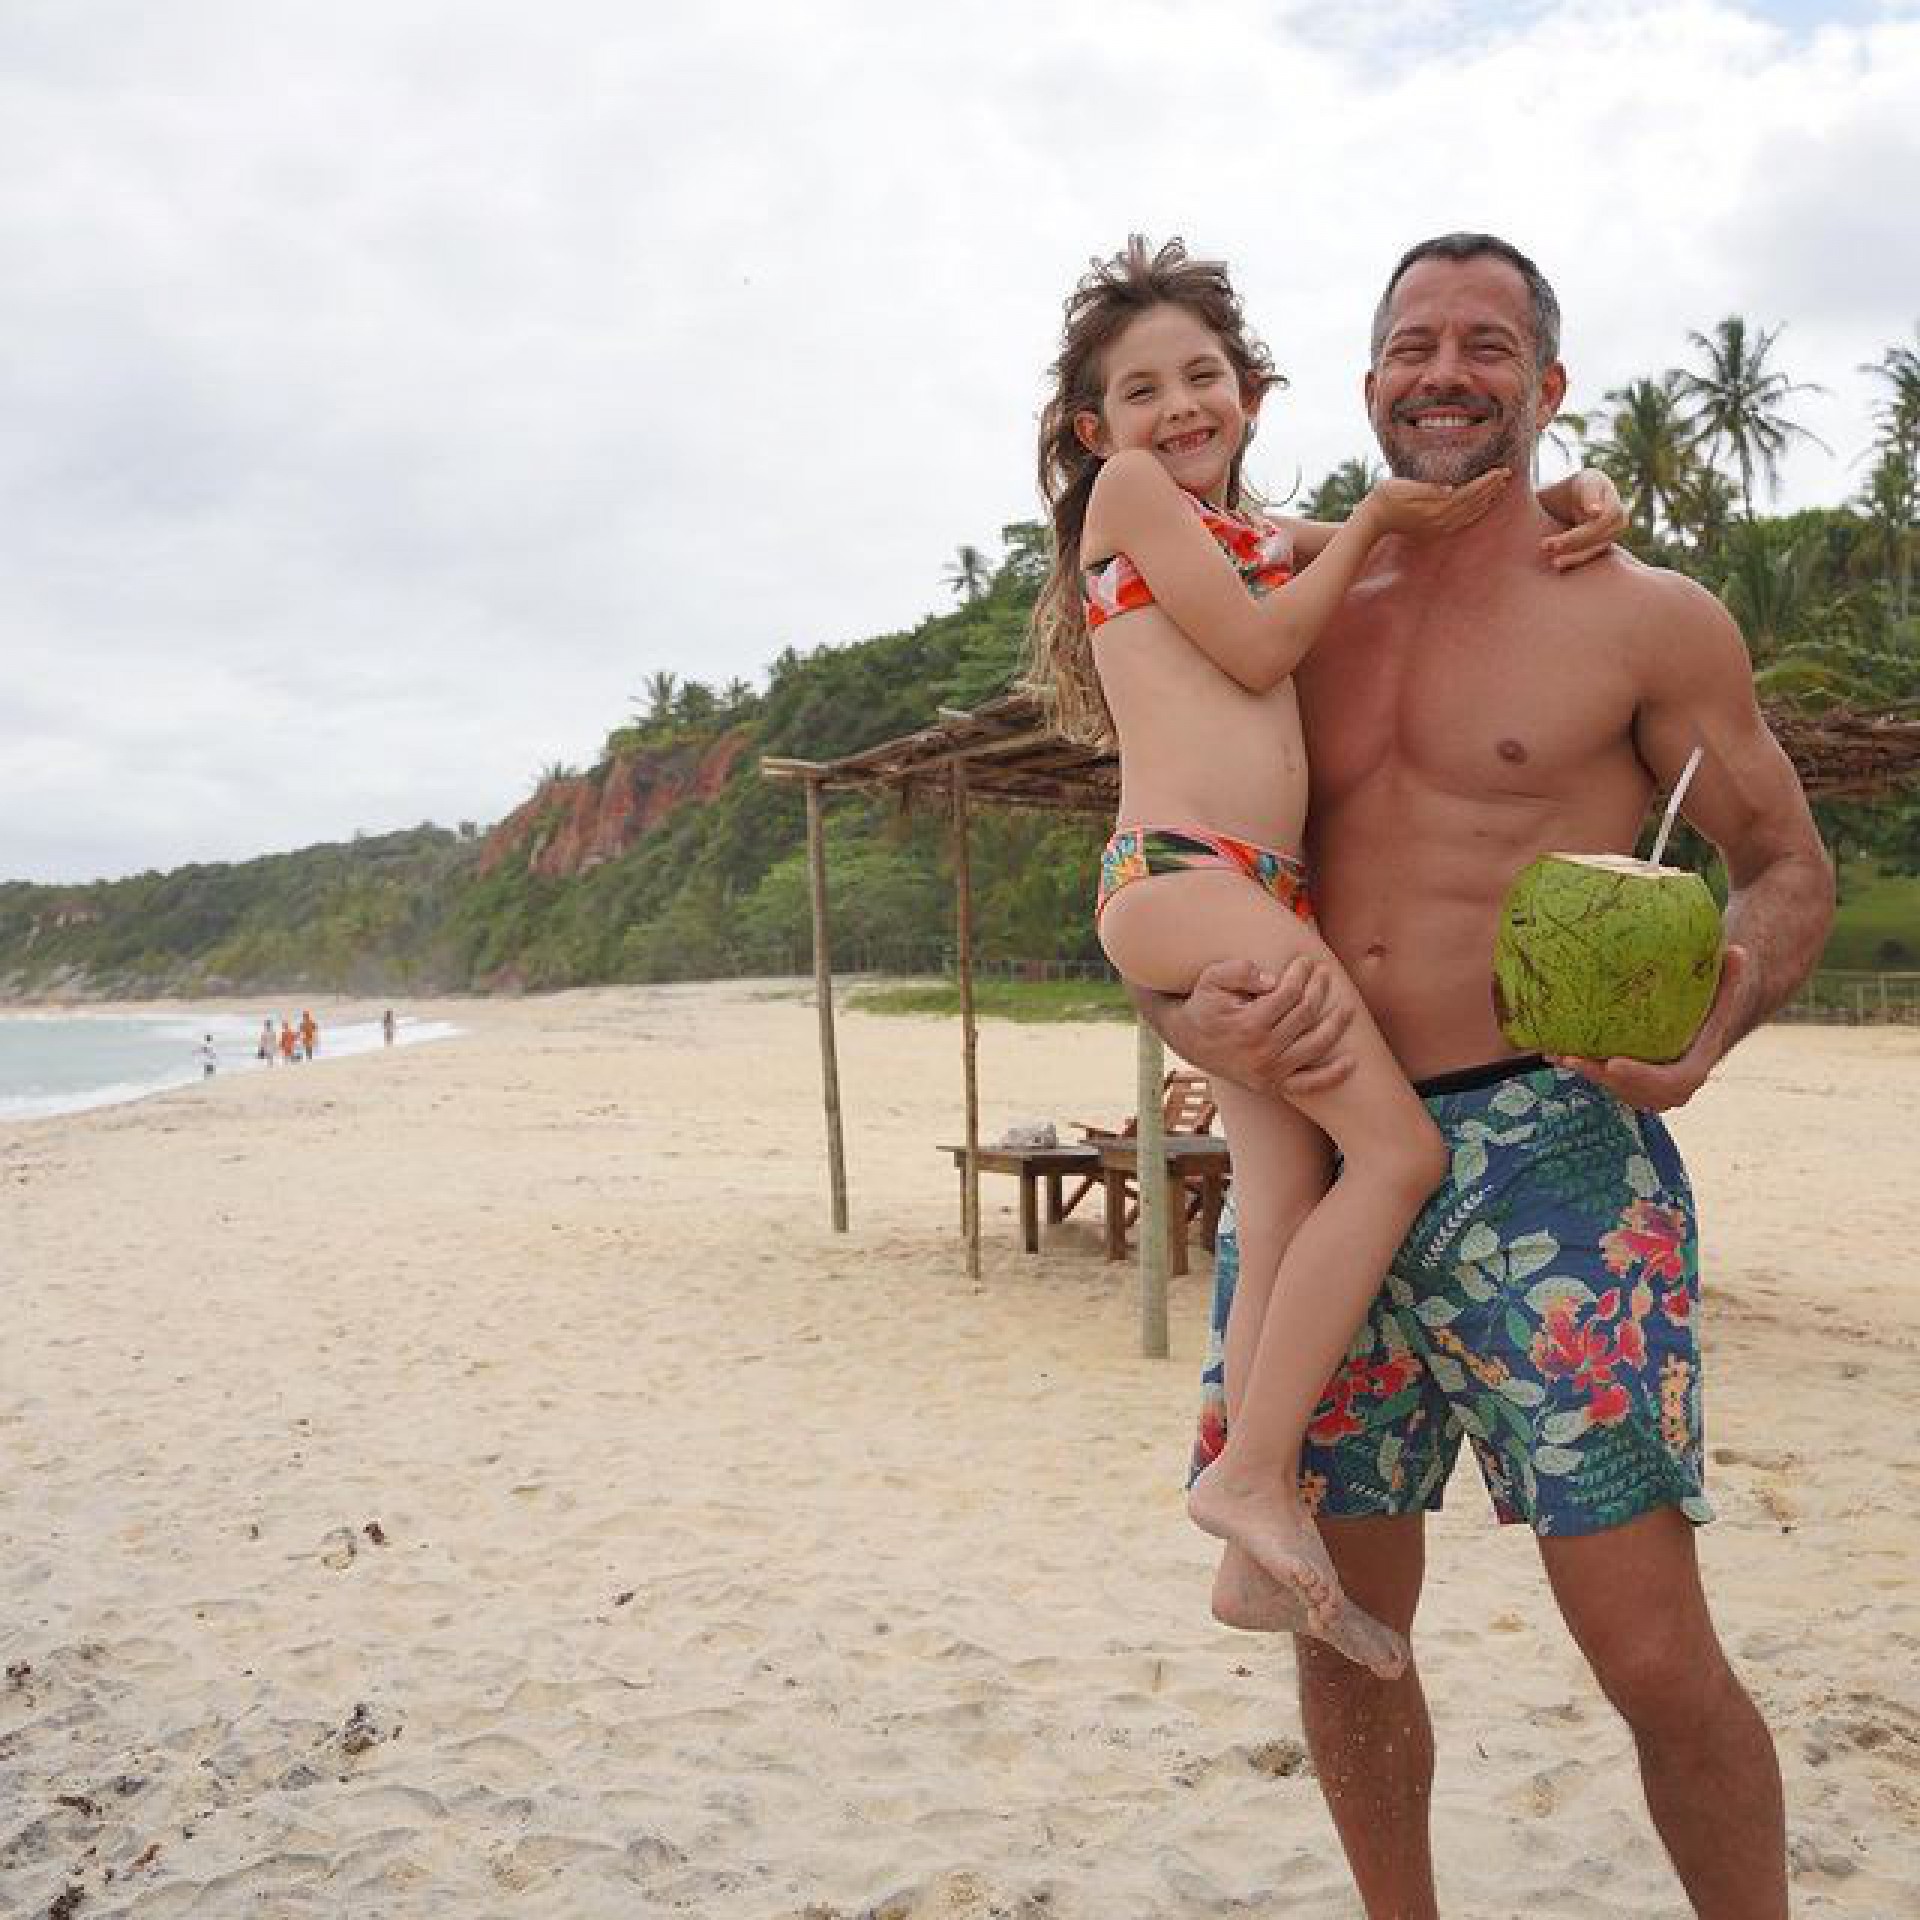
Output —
(1468, 709)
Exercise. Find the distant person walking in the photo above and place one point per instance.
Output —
(288, 1044)
(265, 1050)
(309, 1036)
(387, 1026)
(209, 1059)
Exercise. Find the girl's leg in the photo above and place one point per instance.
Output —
(1282, 1167)
(1302, 1313)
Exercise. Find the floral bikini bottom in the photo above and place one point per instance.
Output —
(1138, 853)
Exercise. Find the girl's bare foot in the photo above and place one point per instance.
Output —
(1247, 1598)
(1276, 1535)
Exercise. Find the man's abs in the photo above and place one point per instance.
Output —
(1408, 889)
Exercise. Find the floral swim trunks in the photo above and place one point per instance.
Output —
(1542, 1307)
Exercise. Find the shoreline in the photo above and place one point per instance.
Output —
(348, 1032)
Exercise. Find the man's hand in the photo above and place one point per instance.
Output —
(1656, 1086)
(1598, 520)
(1274, 1035)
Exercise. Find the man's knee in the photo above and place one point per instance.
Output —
(1661, 1675)
(1632, 1598)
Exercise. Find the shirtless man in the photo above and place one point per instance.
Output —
(1468, 709)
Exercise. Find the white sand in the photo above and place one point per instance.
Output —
(730, 1567)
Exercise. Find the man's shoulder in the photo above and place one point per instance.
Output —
(1637, 583)
(1656, 605)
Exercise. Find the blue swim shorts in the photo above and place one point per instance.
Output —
(1543, 1306)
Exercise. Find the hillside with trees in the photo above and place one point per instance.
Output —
(670, 858)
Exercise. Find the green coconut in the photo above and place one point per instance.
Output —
(1605, 956)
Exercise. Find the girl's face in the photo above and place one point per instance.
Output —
(1170, 388)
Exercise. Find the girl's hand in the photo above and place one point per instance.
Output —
(1598, 519)
(1420, 508)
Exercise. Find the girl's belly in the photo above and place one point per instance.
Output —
(1197, 749)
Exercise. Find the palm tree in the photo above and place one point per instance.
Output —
(1642, 442)
(661, 690)
(1735, 405)
(1899, 413)
(1769, 590)
(970, 575)
(1701, 508)
(1891, 502)
(1567, 432)
(1342, 490)
(1892, 497)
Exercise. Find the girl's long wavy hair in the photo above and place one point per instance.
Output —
(1110, 297)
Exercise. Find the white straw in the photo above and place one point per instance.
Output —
(1673, 803)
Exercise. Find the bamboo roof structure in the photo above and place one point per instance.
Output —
(1012, 756)
(1014, 759)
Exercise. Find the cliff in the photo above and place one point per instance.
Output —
(574, 824)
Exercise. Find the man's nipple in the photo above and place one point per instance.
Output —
(1512, 751)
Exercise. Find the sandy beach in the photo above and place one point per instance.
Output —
(474, 1480)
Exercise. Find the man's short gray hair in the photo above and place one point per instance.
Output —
(1475, 246)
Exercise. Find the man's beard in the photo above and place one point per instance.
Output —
(1410, 457)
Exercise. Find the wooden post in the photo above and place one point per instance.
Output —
(969, 1032)
(1150, 1169)
(823, 998)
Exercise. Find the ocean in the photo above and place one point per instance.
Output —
(66, 1062)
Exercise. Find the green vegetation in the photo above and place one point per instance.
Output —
(1824, 595)
(1877, 928)
(365, 915)
(1032, 1001)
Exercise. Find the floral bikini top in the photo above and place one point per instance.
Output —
(1261, 556)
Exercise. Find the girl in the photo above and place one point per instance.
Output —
(1172, 620)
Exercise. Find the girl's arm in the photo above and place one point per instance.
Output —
(1587, 504)
(1142, 514)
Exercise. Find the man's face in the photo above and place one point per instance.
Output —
(1455, 391)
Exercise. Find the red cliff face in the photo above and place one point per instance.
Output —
(571, 825)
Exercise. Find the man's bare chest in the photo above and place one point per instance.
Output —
(1493, 705)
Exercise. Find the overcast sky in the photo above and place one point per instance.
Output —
(387, 388)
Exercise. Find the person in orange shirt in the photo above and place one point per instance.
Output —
(287, 1053)
(309, 1035)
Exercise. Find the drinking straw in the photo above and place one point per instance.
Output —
(1673, 803)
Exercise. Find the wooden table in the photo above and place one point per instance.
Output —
(1033, 1165)
(1192, 1159)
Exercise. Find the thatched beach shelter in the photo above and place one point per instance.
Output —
(1005, 754)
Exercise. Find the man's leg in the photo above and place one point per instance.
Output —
(1632, 1597)
(1371, 1740)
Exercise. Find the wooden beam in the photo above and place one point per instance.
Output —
(969, 1031)
(823, 998)
(1150, 1165)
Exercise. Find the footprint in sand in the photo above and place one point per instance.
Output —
(1865, 1723)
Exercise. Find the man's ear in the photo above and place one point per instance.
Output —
(1091, 432)
(1366, 392)
(1553, 390)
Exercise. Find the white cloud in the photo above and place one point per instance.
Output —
(391, 389)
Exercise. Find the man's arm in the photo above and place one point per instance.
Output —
(1587, 505)
(1277, 1035)
(1746, 798)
